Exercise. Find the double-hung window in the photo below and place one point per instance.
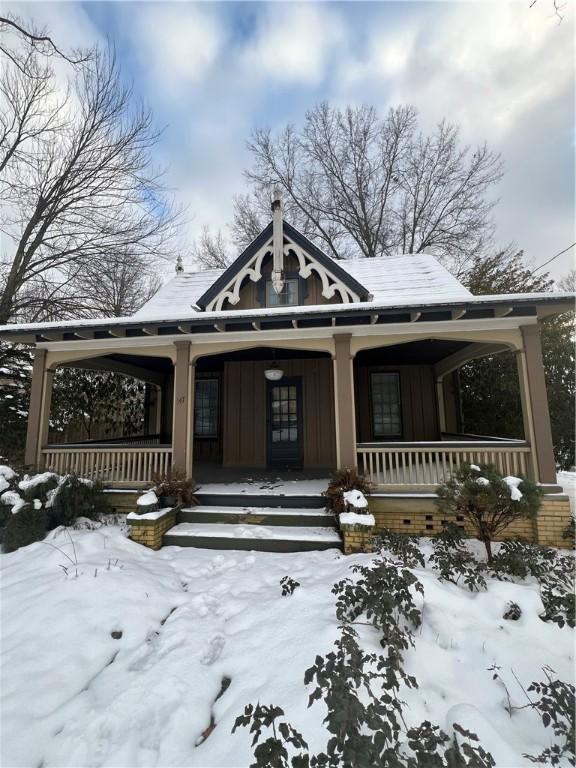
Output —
(206, 408)
(386, 413)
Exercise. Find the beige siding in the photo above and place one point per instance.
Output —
(244, 412)
(418, 394)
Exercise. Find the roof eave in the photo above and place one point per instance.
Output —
(314, 316)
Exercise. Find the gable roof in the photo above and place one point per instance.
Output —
(404, 279)
(290, 232)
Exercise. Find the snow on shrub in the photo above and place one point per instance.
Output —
(487, 501)
(347, 489)
(34, 504)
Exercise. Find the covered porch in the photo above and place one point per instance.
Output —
(384, 403)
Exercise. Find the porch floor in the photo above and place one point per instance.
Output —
(214, 478)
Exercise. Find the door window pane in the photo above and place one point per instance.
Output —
(386, 419)
(206, 408)
(284, 415)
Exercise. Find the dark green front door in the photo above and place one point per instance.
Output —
(285, 444)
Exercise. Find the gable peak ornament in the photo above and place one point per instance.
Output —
(277, 241)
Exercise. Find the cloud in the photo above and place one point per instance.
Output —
(482, 66)
(293, 43)
(178, 43)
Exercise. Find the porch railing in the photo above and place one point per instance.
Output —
(430, 463)
(109, 463)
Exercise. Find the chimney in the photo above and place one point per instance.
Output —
(277, 242)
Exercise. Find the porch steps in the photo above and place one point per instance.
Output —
(269, 500)
(257, 522)
(313, 517)
(277, 538)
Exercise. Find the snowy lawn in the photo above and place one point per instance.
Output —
(75, 695)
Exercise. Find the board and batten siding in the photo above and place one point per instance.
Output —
(244, 412)
(418, 397)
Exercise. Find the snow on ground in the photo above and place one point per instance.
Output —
(73, 695)
(568, 482)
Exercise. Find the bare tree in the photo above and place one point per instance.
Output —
(80, 192)
(212, 251)
(117, 285)
(31, 39)
(361, 185)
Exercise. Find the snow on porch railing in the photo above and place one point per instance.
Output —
(121, 464)
(430, 463)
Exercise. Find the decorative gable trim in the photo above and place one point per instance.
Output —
(335, 280)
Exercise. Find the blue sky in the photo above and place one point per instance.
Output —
(212, 71)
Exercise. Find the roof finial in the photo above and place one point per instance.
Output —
(179, 265)
(277, 241)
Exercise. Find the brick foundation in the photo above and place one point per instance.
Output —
(357, 538)
(419, 516)
(150, 532)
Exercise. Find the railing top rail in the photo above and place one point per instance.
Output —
(105, 447)
(111, 440)
(465, 436)
(443, 445)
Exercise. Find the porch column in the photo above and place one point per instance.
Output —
(182, 430)
(535, 413)
(38, 410)
(153, 408)
(344, 409)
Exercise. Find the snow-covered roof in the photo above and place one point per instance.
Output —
(178, 295)
(411, 277)
(405, 279)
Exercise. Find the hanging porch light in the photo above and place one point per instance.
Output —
(274, 372)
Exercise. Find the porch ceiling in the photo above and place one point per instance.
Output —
(424, 352)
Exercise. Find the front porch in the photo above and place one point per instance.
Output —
(391, 410)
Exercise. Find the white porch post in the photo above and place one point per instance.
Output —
(38, 410)
(183, 428)
(535, 413)
(344, 409)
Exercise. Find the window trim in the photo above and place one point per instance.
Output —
(395, 435)
(216, 433)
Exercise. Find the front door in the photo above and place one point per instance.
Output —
(285, 445)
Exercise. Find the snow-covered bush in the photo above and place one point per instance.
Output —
(24, 527)
(288, 585)
(488, 501)
(75, 497)
(38, 503)
(404, 547)
(454, 561)
(553, 570)
(364, 718)
(556, 707)
(338, 494)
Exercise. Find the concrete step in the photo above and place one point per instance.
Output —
(275, 538)
(286, 501)
(310, 517)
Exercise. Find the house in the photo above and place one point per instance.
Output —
(292, 361)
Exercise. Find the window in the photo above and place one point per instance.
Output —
(287, 297)
(386, 420)
(206, 408)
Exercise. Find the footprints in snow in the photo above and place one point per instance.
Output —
(214, 650)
